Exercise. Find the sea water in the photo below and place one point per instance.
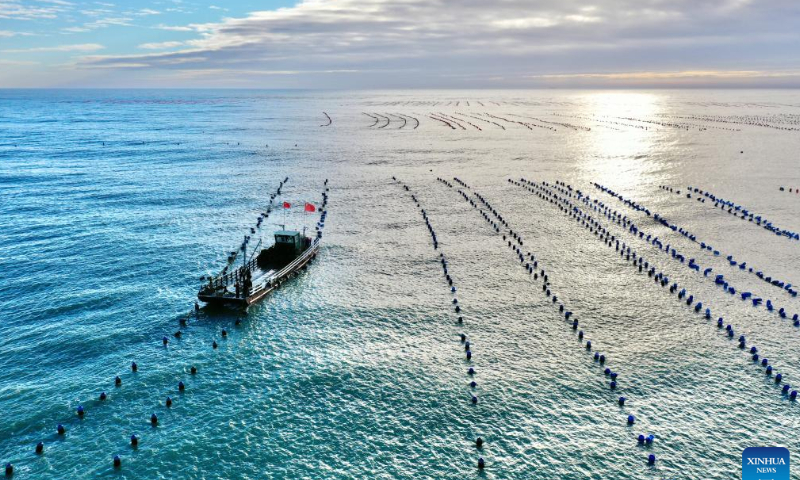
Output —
(114, 204)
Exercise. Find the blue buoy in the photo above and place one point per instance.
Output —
(588, 344)
(602, 359)
(103, 395)
(474, 399)
(117, 381)
(778, 378)
(793, 395)
(471, 371)
(651, 460)
(134, 440)
(649, 439)
(641, 438)
(786, 388)
(472, 384)
(621, 401)
(181, 386)
(469, 355)
(631, 419)
(80, 411)
(9, 469)
(755, 357)
(596, 356)
(607, 371)
(117, 461)
(39, 448)
(769, 370)
(134, 367)
(764, 362)
(613, 385)
(466, 346)
(165, 341)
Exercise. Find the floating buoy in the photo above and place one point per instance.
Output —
(793, 395)
(193, 370)
(474, 399)
(786, 388)
(472, 384)
(134, 441)
(651, 460)
(649, 439)
(168, 402)
(607, 371)
(602, 359)
(224, 333)
(460, 319)
(117, 461)
(631, 419)
(40, 447)
(479, 442)
(641, 438)
(134, 367)
(214, 344)
(778, 378)
(10, 469)
(80, 411)
(481, 463)
(613, 385)
(621, 401)
(103, 395)
(117, 381)
(181, 386)
(154, 419)
(469, 355)
(60, 429)
(588, 344)
(165, 341)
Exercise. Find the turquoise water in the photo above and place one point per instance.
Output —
(115, 203)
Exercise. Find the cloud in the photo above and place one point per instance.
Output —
(397, 43)
(160, 45)
(17, 10)
(82, 47)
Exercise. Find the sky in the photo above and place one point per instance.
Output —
(377, 44)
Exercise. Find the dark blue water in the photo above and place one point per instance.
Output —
(113, 204)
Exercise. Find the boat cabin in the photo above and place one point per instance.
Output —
(289, 241)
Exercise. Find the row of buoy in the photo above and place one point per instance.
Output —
(740, 211)
(457, 310)
(796, 190)
(528, 260)
(81, 412)
(633, 229)
(748, 120)
(638, 262)
(706, 247)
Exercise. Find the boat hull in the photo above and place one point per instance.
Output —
(274, 282)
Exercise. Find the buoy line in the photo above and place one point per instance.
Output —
(634, 230)
(638, 262)
(81, 411)
(528, 260)
(703, 245)
(465, 340)
(736, 209)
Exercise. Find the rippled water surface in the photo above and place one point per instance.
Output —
(113, 204)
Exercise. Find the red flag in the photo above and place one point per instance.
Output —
(310, 207)
(287, 205)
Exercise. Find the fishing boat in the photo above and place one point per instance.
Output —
(267, 268)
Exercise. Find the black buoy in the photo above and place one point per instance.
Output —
(193, 370)
(103, 395)
(134, 367)
(481, 463)
(117, 461)
(168, 402)
(39, 448)
(80, 411)
(9, 469)
(622, 401)
(60, 429)
(134, 441)
(154, 419)
(181, 386)
(479, 442)
(164, 340)
(117, 381)
(651, 460)
(224, 333)
(214, 344)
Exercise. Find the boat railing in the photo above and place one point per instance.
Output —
(288, 268)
